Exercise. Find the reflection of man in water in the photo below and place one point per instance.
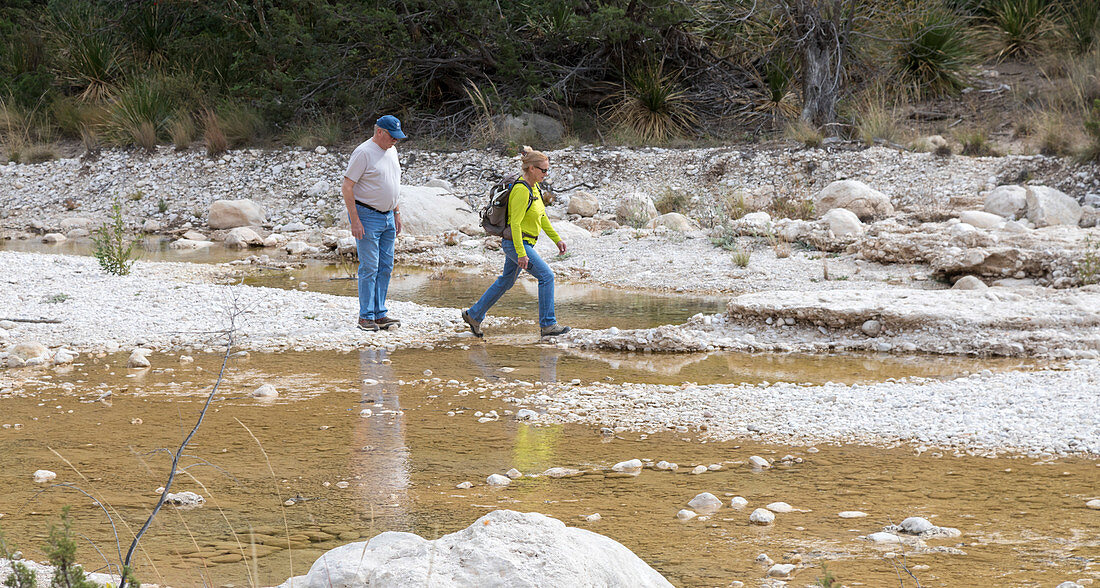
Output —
(382, 459)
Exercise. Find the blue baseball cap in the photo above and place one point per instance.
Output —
(392, 126)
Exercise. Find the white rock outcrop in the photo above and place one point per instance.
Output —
(1047, 206)
(243, 238)
(1007, 201)
(229, 214)
(501, 549)
(981, 219)
(431, 211)
(855, 196)
(584, 204)
(672, 221)
(636, 209)
(843, 223)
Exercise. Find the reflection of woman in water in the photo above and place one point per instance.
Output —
(526, 217)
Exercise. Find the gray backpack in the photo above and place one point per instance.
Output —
(494, 217)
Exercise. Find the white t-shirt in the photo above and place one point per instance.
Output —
(377, 175)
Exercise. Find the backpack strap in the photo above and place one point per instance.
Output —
(530, 193)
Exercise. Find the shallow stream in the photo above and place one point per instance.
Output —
(346, 476)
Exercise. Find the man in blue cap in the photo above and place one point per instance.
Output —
(371, 190)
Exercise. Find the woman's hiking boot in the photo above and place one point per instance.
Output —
(475, 326)
(554, 330)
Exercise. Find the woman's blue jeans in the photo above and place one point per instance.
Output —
(375, 251)
(536, 267)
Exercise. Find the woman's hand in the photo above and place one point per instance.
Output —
(561, 247)
(523, 262)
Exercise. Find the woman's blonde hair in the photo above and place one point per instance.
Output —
(530, 157)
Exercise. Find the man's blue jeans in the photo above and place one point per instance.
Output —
(375, 261)
(536, 267)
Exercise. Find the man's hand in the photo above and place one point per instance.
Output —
(357, 230)
(397, 221)
(523, 262)
(561, 247)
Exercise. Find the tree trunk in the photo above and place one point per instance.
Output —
(820, 84)
(822, 28)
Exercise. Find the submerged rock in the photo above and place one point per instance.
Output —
(705, 503)
(762, 516)
(502, 548)
(633, 465)
(498, 480)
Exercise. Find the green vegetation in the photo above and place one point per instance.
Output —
(1088, 267)
(114, 244)
(314, 72)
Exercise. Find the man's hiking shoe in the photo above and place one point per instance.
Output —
(554, 330)
(475, 326)
(385, 323)
(368, 325)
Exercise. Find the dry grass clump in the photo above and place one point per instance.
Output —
(672, 200)
(877, 117)
(181, 129)
(313, 134)
(240, 123)
(976, 143)
(785, 206)
(213, 135)
(805, 133)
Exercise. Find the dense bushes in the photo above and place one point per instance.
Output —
(144, 72)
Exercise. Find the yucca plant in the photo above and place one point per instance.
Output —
(934, 52)
(137, 114)
(1081, 24)
(151, 33)
(1018, 28)
(91, 59)
(652, 106)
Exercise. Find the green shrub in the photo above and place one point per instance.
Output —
(934, 52)
(113, 244)
(62, 552)
(91, 59)
(1088, 267)
(741, 256)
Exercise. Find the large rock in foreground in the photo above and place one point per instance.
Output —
(230, 214)
(502, 548)
(431, 211)
(866, 202)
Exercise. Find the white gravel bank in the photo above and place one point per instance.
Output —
(1051, 411)
(167, 306)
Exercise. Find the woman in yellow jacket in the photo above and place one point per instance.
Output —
(526, 217)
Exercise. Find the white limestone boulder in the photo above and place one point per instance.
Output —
(636, 209)
(584, 204)
(1047, 207)
(843, 223)
(863, 200)
(431, 211)
(229, 214)
(969, 283)
(672, 221)
(189, 245)
(29, 350)
(1007, 201)
(243, 238)
(981, 219)
(501, 549)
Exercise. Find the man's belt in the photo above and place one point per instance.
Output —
(357, 203)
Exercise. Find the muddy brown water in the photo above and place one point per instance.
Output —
(1023, 520)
